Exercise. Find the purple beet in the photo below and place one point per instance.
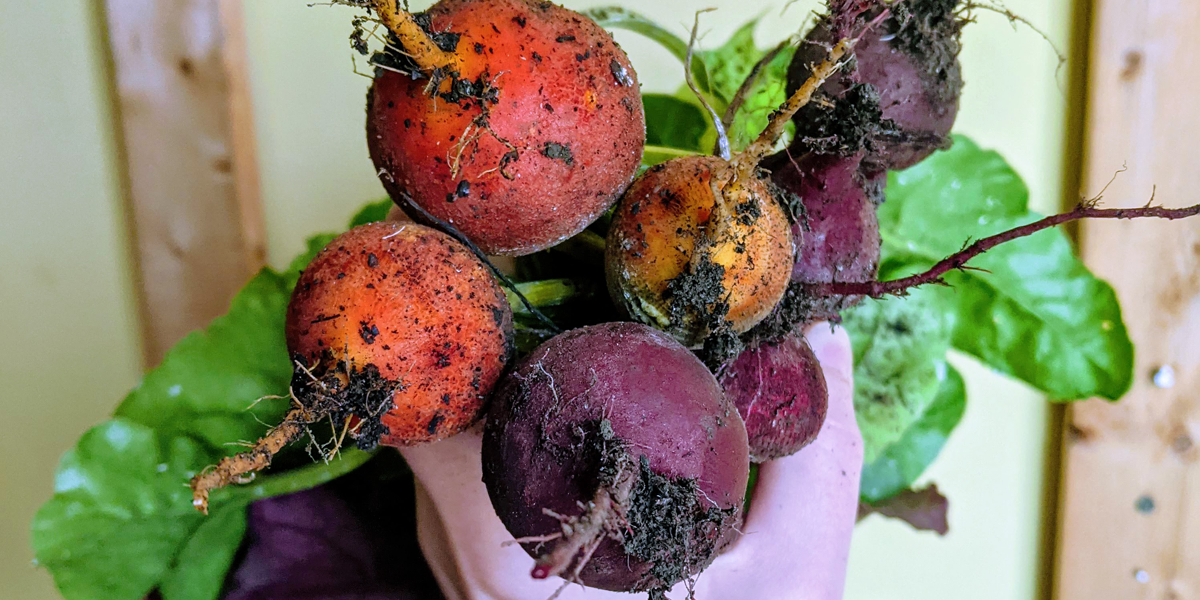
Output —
(779, 389)
(900, 98)
(612, 454)
(838, 227)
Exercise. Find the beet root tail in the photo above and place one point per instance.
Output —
(604, 518)
(233, 469)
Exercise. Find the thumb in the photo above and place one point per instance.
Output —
(804, 506)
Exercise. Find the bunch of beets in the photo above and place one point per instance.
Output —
(618, 453)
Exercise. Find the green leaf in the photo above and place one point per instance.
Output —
(900, 346)
(1034, 312)
(120, 511)
(674, 123)
(902, 462)
(121, 521)
(768, 94)
(208, 384)
(198, 571)
(718, 75)
(372, 213)
(728, 68)
(729, 65)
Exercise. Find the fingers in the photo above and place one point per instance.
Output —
(803, 510)
(466, 541)
(435, 546)
(832, 347)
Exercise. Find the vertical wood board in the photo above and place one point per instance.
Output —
(189, 151)
(1130, 503)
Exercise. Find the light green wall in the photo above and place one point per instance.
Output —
(69, 326)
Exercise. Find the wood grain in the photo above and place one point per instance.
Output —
(242, 136)
(186, 124)
(1130, 501)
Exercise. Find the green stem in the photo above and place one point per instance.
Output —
(591, 240)
(295, 480)
(654, 155)
(750, 483)
(549, 292)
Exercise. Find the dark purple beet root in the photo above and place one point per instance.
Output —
(834, 202)
(909, 63)
(611, 453)
(838, 227)
(779, 389)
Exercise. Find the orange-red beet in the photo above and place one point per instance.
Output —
(406, 314)
(533, 137)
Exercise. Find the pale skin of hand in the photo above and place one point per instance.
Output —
(796, 538)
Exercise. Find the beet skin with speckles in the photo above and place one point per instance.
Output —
(838, 228)
(412, 308)
(910, 60)
(534, 137)
(665, 216)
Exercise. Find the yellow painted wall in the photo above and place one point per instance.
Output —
(69, 328)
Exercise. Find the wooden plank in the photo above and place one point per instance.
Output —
(242, 135)
(188, 145)
(1130, 501)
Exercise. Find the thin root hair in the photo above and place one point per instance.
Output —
(1086, 209)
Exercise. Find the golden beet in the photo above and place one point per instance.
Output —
(402, 307)
(693, 247)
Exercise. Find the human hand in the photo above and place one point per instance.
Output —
(795, 542)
